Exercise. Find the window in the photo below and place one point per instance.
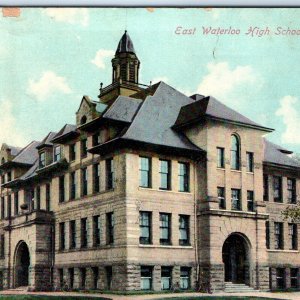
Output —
(84, 233)
(95, 271)
(166, 278)
(280, 278)
(9, 206)
(61, 277)
(291, 185)
(2, 179)
(294, 278)
(293, 236)
(145, 227)
(236, 199)
(250, 161)
(16, 201)
(2, 208)
(235, 153)
(96, 230)
(165, 175)
(96, 178)
(109, 277)
(82, 277)
(96, 139)
(110, 228)
(278, 235)
(185, 278)
(72, 234)
(221, 197)
(84, 182)
(83, 120)
(48, 196)
(73, 185)
(277, 186)
(184, 177)
(9, 177)
(42, 160)
(250, 200)
(146, 278)
(184, 230)
(165, 228)
(62, 236)
(266, 187)
(38, 198)
(71, 278)
(72, 153)
(145, 172)
(83, 145)
(267, 234)
(2, 245)
(220, 157)
(109, 174)
(62, 188)
(57, 153)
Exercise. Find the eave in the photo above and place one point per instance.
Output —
(281, 166)
(12, 164)
(121, 143)
(98, 122)
(213, 118)
(65, 137)
(54, 167)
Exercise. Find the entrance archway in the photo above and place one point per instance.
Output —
(236, 259)
(22, 263)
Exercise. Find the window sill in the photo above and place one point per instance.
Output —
(221, 168)
(250, 173)
(283, 250)
(161, 190)
(237, 171)
(165, 246)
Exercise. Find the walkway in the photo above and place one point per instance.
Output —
(290, 296)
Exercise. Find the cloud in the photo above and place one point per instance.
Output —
(222, 81)
(289, 112)
(69, 15)
(48, 84)
(9, 133)
(101, 55)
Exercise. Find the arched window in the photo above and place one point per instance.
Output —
(83, 120)
(2, 160)
(235, 152)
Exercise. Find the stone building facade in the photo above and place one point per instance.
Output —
(150, 189)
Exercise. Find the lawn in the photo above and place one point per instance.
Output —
(31, 297)
(218, 298)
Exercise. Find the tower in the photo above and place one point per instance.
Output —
(125, 72)
(125, 63)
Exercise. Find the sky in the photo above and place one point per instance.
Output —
(51, 57)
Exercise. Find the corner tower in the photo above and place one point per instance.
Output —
(125, 72)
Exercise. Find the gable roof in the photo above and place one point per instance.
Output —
(47, 140)
(67, 130)
(209, 107)
(123, 109)
(28, 154)
(278, 155)
(155, 118)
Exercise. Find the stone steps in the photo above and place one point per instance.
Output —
(237, 288)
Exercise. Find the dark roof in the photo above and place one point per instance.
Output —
(66, 130)
(209, 107)
(278, 155)
(47, 140)
(123, 109)
(28, 154)
(125, 45)
(155, 118)
(14, 150)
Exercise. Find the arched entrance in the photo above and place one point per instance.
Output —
(22, 263)
(236, 259)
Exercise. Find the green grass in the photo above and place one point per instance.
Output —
(217, 298)
(32, 297)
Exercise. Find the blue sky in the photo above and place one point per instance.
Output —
(50, 58)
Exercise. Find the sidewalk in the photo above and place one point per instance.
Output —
(290, 296)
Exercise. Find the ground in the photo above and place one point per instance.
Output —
(15, 295)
